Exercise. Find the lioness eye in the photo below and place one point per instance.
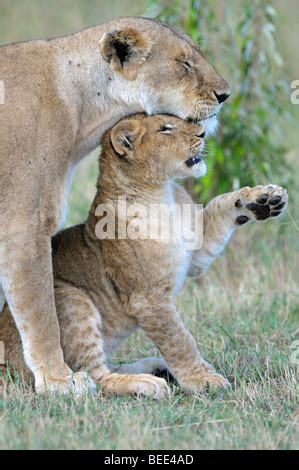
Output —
(166, 129)
(185, 63)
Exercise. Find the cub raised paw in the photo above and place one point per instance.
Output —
(260, 203)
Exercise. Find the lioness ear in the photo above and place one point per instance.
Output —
(124, 48)
(125, 135)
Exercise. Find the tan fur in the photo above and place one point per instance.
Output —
(60, 96)
(105, 289)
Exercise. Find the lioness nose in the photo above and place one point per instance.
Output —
(221, 97)
(201, 136)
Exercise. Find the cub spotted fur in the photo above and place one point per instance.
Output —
(106, 288)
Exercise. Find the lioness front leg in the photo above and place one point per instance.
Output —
(27, 280)
(227, 212)
(165, 328)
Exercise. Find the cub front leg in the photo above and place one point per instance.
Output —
(225, 213)
(165, 328)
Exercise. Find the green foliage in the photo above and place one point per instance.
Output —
(241, 42)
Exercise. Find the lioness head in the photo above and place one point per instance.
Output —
(153, 149)
(158, 69)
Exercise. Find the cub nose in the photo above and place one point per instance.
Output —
(221, 97)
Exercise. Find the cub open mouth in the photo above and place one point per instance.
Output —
(193, 161)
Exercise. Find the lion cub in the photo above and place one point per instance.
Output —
(107, 286)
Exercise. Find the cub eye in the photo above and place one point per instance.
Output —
(165, 129)
(202, 135)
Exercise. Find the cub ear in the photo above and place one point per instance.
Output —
(123, 48)
(125, 135)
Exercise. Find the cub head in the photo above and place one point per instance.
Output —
(158, 69)
(150, 150)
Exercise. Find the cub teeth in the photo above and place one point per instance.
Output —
(192, 161)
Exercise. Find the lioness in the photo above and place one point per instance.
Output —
(60, 96)
(106, 288)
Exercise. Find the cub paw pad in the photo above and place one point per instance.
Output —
(262, 199)
(266, 206)
(261, 211)
(242, 219)
(270, 203)
(275, 200)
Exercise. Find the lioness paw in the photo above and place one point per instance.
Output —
(77, 384)
(260, 203)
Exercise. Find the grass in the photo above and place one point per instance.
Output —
(244, 316)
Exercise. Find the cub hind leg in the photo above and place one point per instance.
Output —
(83, 345)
